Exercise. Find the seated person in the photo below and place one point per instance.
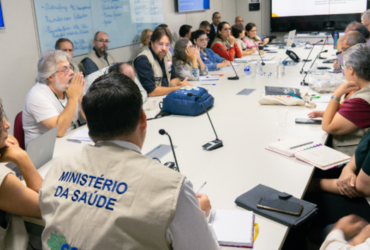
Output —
(185, 31)
(362, 29)
(239, 20)
(238, 32)
(99, 57)
(349, 39)
(352, 228)
(128, 70)
(209, 58)
(224, 43)
(55, 100)
(349, 121)
(187, 62)
(154, 65)
(16, 198)
(349, 190)
(251, 38)
(172, 50)
(205, 26)
(145, 39)
(66, 45)
(136, 202)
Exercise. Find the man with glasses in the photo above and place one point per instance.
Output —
(239, 20)
(216, 19)
(55, 100)
(205, 26)
(154, 65)
(99, 57)
(66, 45)
(366, 19)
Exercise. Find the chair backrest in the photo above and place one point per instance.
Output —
(18, 130)
(81, 66)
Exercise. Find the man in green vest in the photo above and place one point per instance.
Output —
(110, 195)
(66, 45)
(99, 57)
(153, 66)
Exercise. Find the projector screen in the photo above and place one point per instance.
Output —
(1, 18)
(283, 8)
(192, 5)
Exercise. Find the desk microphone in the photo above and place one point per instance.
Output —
(163, 132)
(236, 77)
(212, 144)
(262, 62)
(306, 60)
(306, 72)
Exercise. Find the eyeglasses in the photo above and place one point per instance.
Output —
(103, 41)
(204, 40)
(162, 44)
(149, 36)
(65, 71)
(345, 49)
(253, 31)
(226, 29)
(68, 50)
(208, 30)
(191, 46)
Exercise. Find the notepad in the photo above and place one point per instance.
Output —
(233, 228)
(209, 78)
(313, 153)
(229, 67)
(81, 135)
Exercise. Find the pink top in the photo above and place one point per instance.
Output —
(251, 43)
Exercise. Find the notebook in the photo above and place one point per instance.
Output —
(233, 228)
(309, 152)
(236, 66)
(209, 78)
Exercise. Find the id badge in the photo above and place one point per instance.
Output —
(169, 64)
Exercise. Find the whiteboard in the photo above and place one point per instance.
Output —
(78, 20)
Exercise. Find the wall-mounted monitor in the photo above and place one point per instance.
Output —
(315, 15)
(192, 5)
(2, 26)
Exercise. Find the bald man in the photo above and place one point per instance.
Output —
(99, 57)
(239, 20)
(366, 19)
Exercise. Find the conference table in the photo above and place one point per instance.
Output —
(246, 128)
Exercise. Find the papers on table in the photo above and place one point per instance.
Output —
(229, 67)
(209, 78)
(81, 135)
(233, 228)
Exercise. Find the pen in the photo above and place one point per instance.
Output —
(301, 145)
(201, 187)
(208, 84)
(74, 140)
(296, 96)
(315, 97)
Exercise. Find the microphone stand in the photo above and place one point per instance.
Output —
(236, 77)
(262, 62)
(215, 143)
(163, 132)
(306, 60)
(303, 81)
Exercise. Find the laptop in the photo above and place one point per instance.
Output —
(289, 42)
(40, 150)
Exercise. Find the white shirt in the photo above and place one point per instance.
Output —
(336, 241)
(189, 229)
(41, 104)
(214, 26)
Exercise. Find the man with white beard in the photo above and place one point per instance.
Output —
(55, 100)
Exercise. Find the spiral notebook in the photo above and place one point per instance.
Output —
(310, 152)
(233, 228)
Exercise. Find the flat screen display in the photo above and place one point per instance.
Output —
(284, 8)
(1, 18)
(192, 5)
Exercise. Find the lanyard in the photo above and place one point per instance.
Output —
(73, 124)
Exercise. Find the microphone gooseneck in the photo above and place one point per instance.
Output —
(163, 132)
(236, 77)
(262, 62)
(306, 60)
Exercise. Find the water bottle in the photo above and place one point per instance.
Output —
(336, 37)
(259, 70)
(280, 69)
(247, 69)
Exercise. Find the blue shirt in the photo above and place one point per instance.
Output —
(211, 59)
(145, 72)
(90, 66)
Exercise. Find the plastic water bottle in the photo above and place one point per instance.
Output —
(247, 69)
(280, 69)
(336, 37)
(259, 70)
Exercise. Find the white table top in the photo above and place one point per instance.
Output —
(246, 128)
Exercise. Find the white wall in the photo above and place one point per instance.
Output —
(19, 45)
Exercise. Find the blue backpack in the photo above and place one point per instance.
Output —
(179, 103)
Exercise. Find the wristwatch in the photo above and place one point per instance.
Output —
(335, 98)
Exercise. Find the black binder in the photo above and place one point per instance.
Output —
(250, 199)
